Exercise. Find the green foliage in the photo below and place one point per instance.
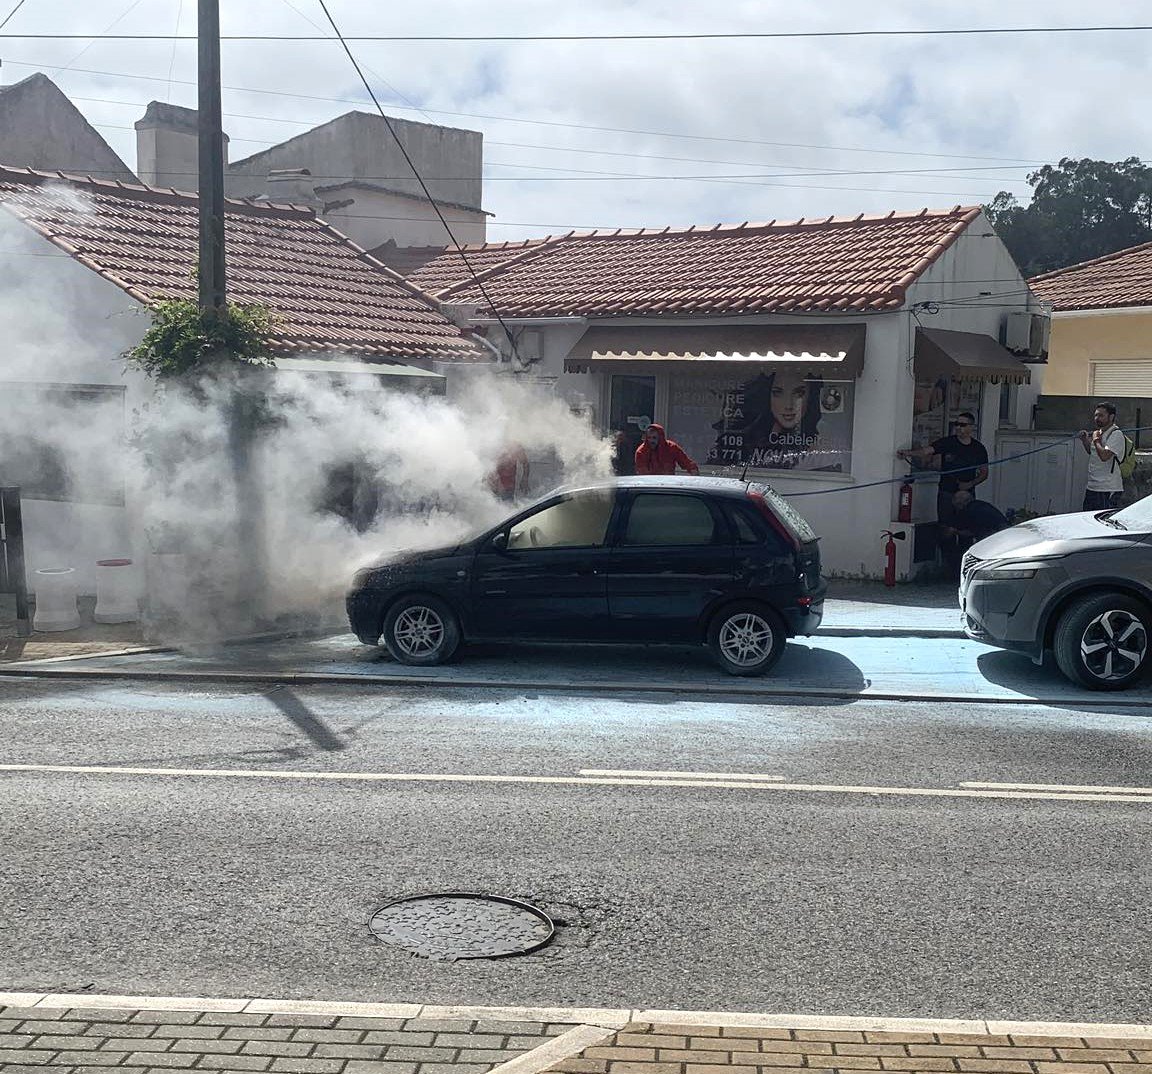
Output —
(184, 340)
(1080, 209)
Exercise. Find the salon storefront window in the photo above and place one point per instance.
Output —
(773, 417)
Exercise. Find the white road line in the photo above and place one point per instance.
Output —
(1070, 788)
(438, 777)
(659, 774)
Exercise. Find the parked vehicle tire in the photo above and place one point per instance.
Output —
(746, 639)
(1104, 641)
(421, 630)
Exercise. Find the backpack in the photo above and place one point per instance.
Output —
(1128, 463)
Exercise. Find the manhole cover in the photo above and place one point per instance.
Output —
(460, 924)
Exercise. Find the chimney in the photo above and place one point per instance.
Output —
(294, 186)
(167, 147)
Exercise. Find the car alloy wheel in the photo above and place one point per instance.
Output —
(1114, 645)
(418, 631)
(746, 639)
(1101, 641)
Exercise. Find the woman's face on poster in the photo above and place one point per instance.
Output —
(789, 399)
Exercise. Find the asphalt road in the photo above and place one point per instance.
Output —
(842, 891)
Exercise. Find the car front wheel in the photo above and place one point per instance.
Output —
(421, 631)
(746, 639)
(1102, 642)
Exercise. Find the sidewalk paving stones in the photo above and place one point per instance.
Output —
(50, 1034)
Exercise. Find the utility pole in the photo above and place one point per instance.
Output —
(243, 404)
(213, 292)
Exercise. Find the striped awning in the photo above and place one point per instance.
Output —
(819, 346)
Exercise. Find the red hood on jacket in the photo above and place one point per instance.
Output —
(658, 430)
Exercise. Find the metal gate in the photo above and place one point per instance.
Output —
(12, 577)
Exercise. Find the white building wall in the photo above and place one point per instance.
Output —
(374, 217)
(70, 327)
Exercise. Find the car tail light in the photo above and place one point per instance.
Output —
(773, 521)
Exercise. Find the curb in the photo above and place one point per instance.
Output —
(299, 678)
(590, 1022)
(891, 632)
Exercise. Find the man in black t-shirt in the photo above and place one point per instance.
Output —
(963, 464)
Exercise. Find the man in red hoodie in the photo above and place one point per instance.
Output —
(659, 455)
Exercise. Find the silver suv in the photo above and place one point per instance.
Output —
(1079, 586)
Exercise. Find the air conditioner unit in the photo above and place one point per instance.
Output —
(1026, 334)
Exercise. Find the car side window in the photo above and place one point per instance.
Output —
(669, 520)
(750, 528)
(747, 528)
(581, 521)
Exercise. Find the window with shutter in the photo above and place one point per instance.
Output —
(1127, 378)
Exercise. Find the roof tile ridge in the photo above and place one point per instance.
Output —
(1102, 259)
(937, 249)
(363, 255)
(527, 254)
(9, 172)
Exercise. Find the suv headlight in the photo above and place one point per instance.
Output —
(1006, 572)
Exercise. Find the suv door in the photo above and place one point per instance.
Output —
(672, 560)
(543, 575)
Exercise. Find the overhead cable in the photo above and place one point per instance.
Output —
(420, 179)
(558, 123)
(774, 35)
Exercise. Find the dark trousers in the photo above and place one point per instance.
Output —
(1101, 501)
(951, 544)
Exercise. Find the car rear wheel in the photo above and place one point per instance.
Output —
(746, 639)
(1102, 642)
(421, 631)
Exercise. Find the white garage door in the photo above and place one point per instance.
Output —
(1122, 378)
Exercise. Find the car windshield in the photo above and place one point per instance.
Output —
(1137, 516)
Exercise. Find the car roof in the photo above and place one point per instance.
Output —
(725, 486)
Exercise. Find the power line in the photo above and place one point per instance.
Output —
(8, 17)
(558, 123)
(947, 173)
(780, 35)
(93, 38)
(423, 186)
(375, 74)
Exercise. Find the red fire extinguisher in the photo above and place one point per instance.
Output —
(890, 555)
(904, 512)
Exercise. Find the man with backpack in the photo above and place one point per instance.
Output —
(1108, 449)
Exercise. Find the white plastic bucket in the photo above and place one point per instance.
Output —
(56, 599)
(117, 598)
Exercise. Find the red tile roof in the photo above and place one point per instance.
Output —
(325, 292)
(436, 268)
(832, 265)
(1115, 280)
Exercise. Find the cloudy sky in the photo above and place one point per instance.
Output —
(626, 133)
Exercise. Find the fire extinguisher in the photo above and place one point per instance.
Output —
(904, 512)
(890, 555)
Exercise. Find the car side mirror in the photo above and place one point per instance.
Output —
(499, 543)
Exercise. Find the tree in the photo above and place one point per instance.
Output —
(1080, 209)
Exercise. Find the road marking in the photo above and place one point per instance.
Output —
(660, 774)
(594, 781)
(1070, 788)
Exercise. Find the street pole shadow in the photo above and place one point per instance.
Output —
(306, 721)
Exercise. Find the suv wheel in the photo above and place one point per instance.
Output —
(746, 639)
(1102, 642)
(422, 631)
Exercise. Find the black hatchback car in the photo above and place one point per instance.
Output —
(724, 563)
